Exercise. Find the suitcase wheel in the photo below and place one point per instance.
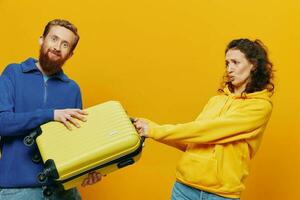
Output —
(36, 158)
(28, 141)
(47, 192)
(42, 177)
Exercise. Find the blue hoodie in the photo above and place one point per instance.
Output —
(26, 102)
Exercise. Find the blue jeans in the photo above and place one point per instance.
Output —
(184, 192)
(37, 194)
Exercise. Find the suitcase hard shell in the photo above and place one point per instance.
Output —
(106, 142)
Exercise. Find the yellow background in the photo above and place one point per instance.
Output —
(163, 59)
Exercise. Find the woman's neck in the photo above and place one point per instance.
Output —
(239, 90)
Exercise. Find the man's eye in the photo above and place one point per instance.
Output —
(65, 45)
(53, 39)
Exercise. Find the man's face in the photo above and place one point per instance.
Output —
(55, 49)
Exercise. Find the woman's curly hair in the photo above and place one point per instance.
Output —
(256, 53)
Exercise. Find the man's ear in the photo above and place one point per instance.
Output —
(253, 68)
(71, 54)
(41, 40)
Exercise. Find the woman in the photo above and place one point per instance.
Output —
(219, 144)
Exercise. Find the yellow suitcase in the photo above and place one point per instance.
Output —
(106, 142)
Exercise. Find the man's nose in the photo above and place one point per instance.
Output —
(57, 46)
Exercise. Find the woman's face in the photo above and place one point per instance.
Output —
(238, 69)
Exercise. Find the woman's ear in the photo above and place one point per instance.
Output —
(253, 66)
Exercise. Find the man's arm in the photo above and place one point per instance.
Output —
(12, 123)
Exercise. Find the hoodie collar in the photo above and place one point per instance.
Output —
(29, 65)
(263, 94)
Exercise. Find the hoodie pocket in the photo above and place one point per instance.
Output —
(198, 170)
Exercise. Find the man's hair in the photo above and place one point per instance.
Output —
(66, 24)
(256, 53)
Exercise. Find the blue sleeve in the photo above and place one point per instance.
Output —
(13, 124)
(79, 99)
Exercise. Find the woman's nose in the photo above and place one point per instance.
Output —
(230, 68)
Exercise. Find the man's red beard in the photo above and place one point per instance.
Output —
(49, 65)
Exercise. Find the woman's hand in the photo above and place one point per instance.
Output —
(141, 126)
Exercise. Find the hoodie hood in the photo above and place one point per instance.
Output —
(263, 94)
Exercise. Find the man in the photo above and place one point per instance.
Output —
(33, 93)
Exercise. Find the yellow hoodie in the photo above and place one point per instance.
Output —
(219, 144)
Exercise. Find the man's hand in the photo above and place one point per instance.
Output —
(92, 178)
(70, 115)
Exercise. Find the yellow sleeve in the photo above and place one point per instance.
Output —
(177, 144)
(244, 122)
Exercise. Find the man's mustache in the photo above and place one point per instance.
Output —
(57, 53)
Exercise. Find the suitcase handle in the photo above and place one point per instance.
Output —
(125, 163)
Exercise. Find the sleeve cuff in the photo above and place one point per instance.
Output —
(47, 115)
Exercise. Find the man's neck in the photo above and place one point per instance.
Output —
(38, 65)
